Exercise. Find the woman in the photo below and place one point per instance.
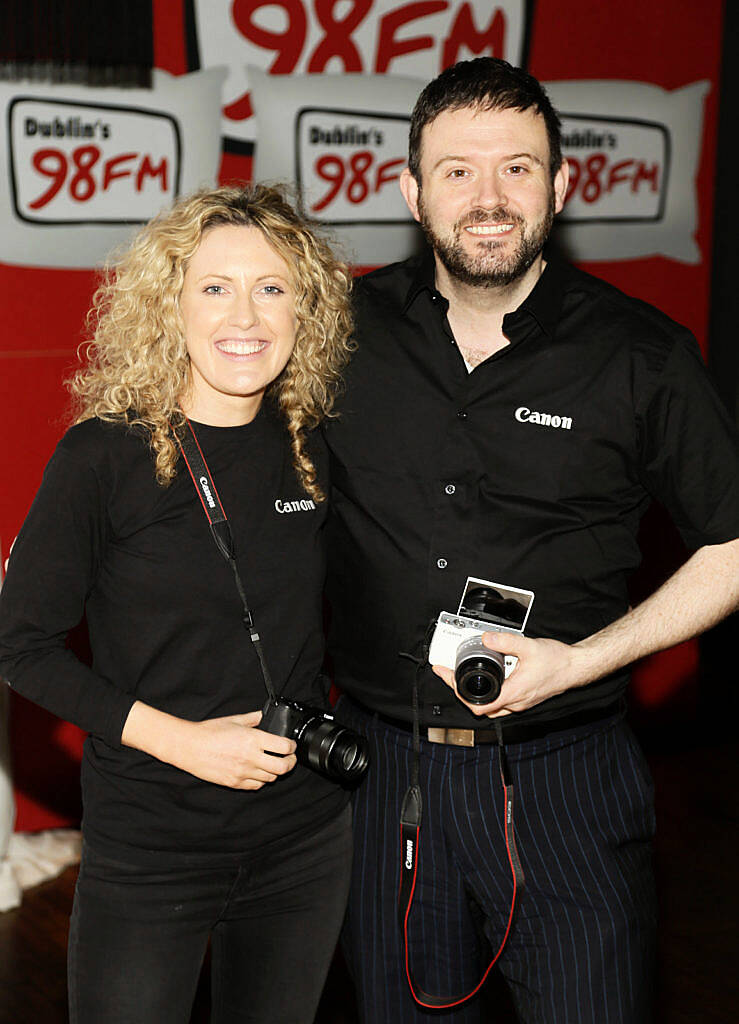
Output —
(228, 314)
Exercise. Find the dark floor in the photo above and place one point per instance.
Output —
(697, 846)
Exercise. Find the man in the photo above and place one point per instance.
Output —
(509, 419)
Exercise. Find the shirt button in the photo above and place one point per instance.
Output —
(462, 415)
(441, 563)
(450, 488)
(436, 709)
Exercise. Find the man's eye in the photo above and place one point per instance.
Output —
(458, 172)
(517, 169)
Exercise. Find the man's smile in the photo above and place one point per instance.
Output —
(489, 229)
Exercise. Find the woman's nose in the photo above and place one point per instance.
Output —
(244, 311)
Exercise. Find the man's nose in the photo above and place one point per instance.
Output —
(491, 192)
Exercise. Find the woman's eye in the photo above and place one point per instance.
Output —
(214, 289)
(272, 289)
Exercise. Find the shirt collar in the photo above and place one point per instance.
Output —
(423, 279)
(543, 303)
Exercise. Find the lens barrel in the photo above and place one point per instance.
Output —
(478, 672)
(331, 749)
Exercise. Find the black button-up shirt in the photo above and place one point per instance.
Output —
(533, 471)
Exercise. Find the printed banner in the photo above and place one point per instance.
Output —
(633, 151)
(371, 37)
(632, 176)
(83, 165)
(345, 150)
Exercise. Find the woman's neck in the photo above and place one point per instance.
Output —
(221, 410)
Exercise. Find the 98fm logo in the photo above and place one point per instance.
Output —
(619, 169)
(86, 172)
(350, 37)
(348, 165)
(355, 178)
(312, 35)
(77, 163)
(598, 176)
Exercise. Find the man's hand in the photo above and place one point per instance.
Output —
(696, 597)
(545, 668)
(228, 751)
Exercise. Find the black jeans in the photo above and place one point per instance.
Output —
(139, 933)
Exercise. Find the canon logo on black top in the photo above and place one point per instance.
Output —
(544, 419)
(304, 505)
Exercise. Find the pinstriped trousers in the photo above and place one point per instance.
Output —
(581, 950)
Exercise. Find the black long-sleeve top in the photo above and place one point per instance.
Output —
(164, 618)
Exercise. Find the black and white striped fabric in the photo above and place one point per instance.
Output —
(581, 949)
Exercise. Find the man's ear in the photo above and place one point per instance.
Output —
(409, 188)
(561, 181)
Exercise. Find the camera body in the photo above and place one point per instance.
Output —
(486, 607)
(323, 744)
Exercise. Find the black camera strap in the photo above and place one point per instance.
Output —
(221, 531)
(411, 814)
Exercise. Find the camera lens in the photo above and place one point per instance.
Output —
(478, 672)
(333, 750)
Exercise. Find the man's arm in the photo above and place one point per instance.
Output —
(701, 593)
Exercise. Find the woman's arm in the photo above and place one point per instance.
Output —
(230, 751)
(52, 569)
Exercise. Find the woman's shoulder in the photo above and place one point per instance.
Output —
(104, 448)
(107, 463)
(95, 438)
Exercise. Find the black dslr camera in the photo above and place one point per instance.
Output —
(323, 744)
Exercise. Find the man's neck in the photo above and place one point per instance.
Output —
(476, 313)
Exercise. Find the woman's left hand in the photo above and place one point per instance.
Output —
(228, 751)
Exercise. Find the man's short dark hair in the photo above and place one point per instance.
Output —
(490, 84)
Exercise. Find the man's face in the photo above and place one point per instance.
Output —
(486, 199)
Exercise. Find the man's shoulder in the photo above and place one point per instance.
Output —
(607, 303)
(601, 316)
(388, 285)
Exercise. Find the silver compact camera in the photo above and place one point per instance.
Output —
(486, 607)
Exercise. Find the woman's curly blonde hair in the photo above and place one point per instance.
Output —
(137, 367)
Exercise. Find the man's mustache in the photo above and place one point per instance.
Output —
(499, 215)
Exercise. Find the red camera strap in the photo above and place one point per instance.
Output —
(410, 831)
(217, 519)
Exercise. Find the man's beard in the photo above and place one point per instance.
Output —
(484, 267)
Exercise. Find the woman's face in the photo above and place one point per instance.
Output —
(238, 310)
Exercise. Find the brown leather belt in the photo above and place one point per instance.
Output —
(513, 732)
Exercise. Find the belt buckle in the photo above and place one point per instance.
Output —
(452, 737)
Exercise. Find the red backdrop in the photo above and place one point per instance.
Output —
(663, 42)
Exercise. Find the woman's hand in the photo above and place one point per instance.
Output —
(228, 751)
(233, 752)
